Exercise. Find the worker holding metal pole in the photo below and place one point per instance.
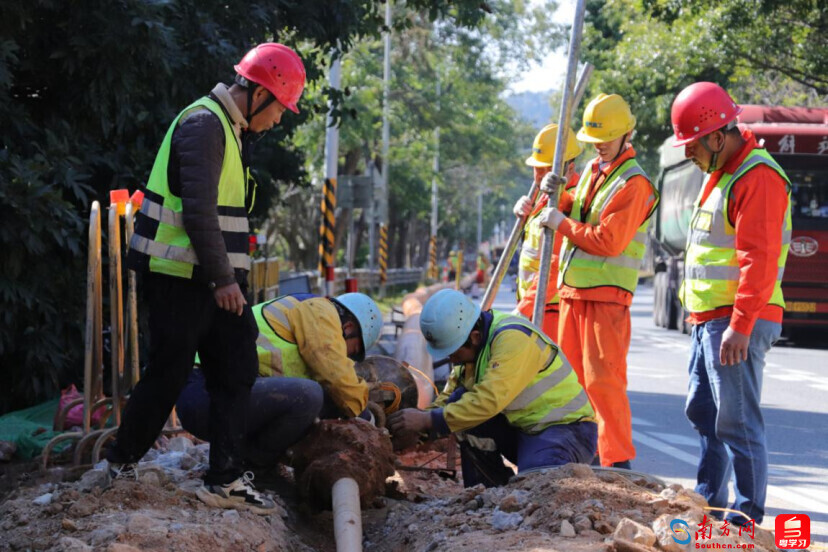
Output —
(517, 229)
(528, 264)
(605, 237)
(555, 182)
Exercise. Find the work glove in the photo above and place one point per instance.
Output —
(551, 218)
(550, 184)
(523, 207)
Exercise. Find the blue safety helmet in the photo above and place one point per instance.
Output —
(446, 321)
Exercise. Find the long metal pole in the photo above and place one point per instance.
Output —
(557, 164)
(514, 236)
(386, 137)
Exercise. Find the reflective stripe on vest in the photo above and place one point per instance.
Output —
(554, 396)
(180, 254)
(159, 228)
(711, 267)
(168, 216)
(529, 259)
(579, 269)
(278, 353)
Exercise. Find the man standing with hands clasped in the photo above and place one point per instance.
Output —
(736, 251)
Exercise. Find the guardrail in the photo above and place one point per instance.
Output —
(267, 281)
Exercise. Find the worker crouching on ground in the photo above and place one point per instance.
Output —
(543, 153)
(191, 247)
(605, 237)
(511, 393)
(306, 347)
(736, 251)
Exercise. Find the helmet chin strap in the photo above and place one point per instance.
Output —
(621, 148)
(714, 155)
(251, 89)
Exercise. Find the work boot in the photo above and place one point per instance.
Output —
(625, 465)
(239, 494)
(124, 472)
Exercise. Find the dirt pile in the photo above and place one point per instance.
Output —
(342, 448)
(571, 508)
(158, 512)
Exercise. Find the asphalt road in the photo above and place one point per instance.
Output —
(794, 400)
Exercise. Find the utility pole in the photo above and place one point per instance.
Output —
(479, 221)
(386, 165)
(433, 241)
(326, 227)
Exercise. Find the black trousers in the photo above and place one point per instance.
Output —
(184, 319)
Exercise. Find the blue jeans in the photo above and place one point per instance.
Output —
(723, 406)
(554, 446)
(280, 412)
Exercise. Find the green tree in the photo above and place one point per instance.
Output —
(87, 90)
(481, 145)
(648, 50)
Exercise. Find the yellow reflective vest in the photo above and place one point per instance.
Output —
(529, 259)
(520, 373)
(711, 266)
(159, 228)
(300, 336)
(579, 269)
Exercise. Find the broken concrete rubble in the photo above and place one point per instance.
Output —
(571, 508)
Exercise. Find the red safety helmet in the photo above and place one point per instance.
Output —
(278, 69)
(700, 109)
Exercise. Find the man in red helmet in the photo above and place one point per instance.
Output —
(190, 245)
(736, 251)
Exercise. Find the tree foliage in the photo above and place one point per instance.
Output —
(87, 90)
(481, 145)
(762, 51)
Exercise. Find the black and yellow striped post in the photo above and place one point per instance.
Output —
(433, 269)
(383, 257)
(459, 266)
(326, 228)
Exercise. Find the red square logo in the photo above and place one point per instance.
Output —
(793, 531)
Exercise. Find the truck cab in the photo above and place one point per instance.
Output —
(798, 139)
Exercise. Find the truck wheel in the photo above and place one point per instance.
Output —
(671, 310)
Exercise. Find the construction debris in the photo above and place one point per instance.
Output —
(571, 508)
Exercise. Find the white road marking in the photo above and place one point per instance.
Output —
(641, 422)
(795, 495)
(652, 442)
(676, 439)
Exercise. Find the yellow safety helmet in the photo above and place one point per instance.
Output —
(543, 150)
(606, 118)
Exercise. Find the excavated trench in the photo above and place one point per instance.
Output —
(571, 508)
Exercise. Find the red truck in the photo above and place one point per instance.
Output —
(797, 137)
